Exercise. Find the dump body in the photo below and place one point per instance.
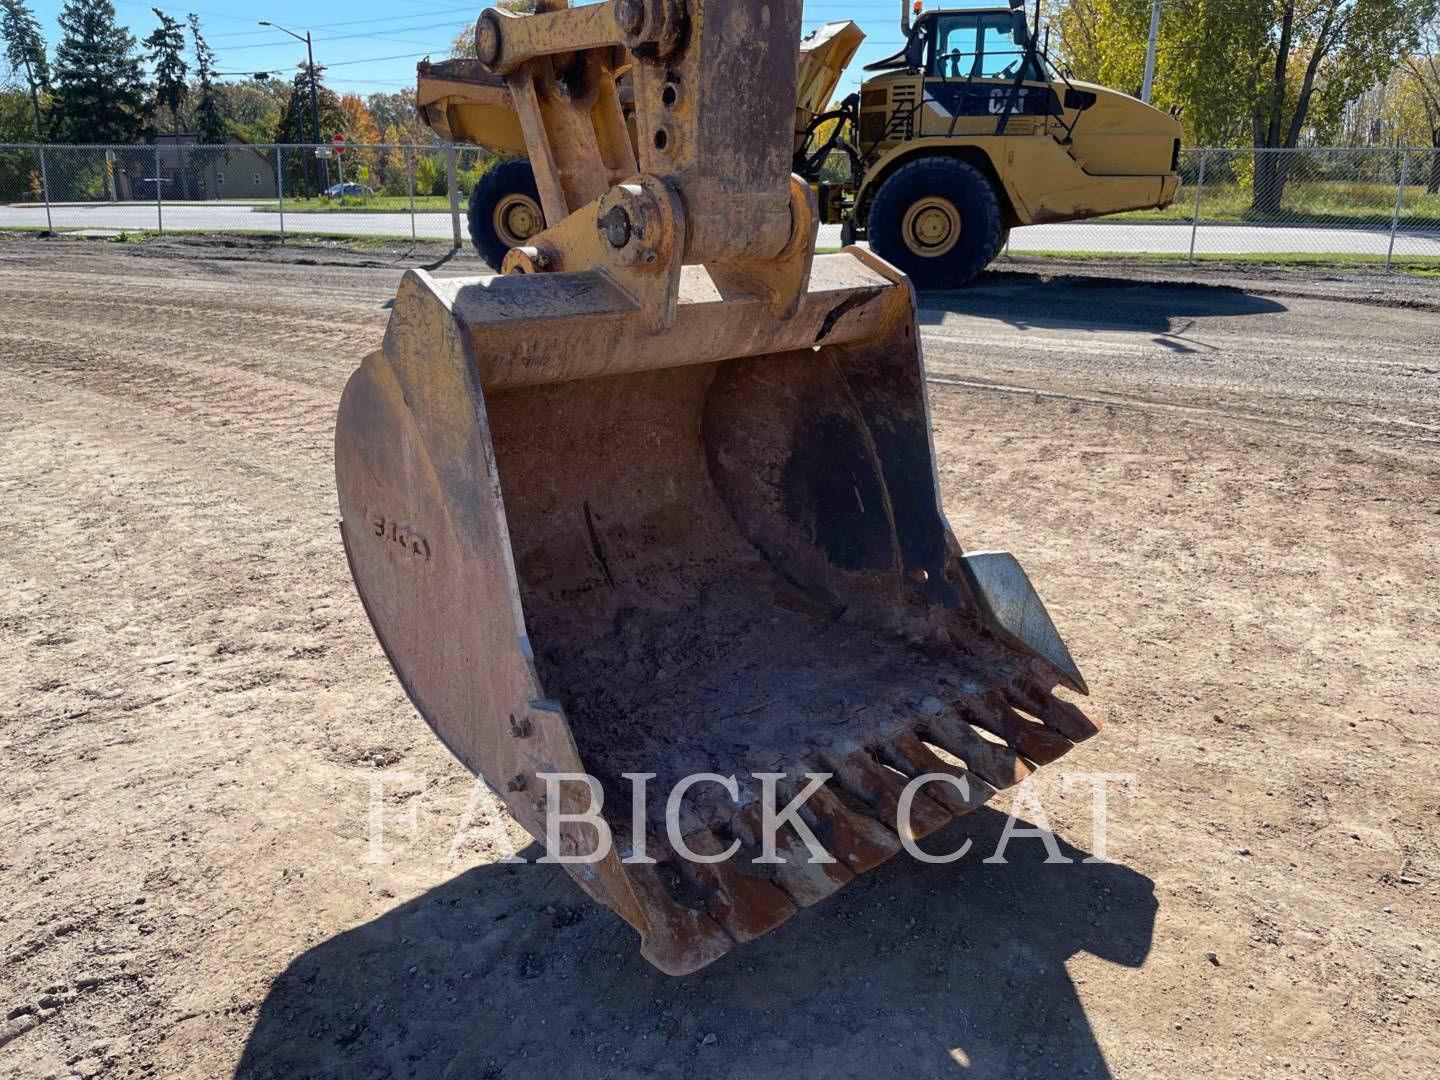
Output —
(461, 102)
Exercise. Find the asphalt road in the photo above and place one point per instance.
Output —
(1156, 238)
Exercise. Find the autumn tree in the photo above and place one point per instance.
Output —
(398, 110)
(360, 130)
(25, 53)
(99, 86)
(166, 50)
(394, 175)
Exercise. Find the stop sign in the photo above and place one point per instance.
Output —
(339, 142)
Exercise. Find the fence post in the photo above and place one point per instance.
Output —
(280, 188)
(45, 190)
(1195, 214)
(159, 207)
(1395, 217)
(452, 182)
(410, 186)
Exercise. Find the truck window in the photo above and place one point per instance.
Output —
(978, 46)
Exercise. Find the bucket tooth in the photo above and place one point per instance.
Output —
(999, 766)
(803, 880)
(1037, 742)
(907, 752)
(860, 842)
(1067, 720)
(676, 939)
(861, 776)
(744, 905)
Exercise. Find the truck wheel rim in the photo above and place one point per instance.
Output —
(516, 219)
(931, 226)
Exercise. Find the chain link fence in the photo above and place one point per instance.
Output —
(1376, 206)
(391, 191)
(1367, 205)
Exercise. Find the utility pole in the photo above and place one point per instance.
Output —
(1150, 52)
(314, 100)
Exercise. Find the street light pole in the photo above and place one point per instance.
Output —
(1149, 80)
(315, 109)
(314, 99)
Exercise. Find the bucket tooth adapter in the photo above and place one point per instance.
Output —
(661, 499)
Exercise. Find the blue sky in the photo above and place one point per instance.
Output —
(371, 45)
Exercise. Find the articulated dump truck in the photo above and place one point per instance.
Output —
(964, 133)
(658, 504)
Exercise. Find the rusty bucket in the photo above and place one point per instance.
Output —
(591, 548)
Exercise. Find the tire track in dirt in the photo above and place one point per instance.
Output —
(1401, 429)
(193, 701)
(249, 422)
(184, 624)
(226, 322)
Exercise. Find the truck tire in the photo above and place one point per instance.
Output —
(938, 220)
(504, 210)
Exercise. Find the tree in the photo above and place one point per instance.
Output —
(1346, 46)
(210, 126)
(1204, 55)
(99, 87)
(1264, 72)
(166, 45)
(398, 110)
(25, 53)
(359, 128)
(250, 110)
(394, 177)
(1421, 82)
(293, 126)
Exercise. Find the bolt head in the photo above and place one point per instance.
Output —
(630, 16)
(616, 227)
(487, 41)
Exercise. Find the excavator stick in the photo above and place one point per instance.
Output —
(658, 505)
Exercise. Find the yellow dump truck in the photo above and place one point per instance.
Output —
(966, 132)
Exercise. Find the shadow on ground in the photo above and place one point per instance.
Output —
(1027, 300)
(913, 970)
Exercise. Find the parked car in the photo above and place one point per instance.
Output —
(143, 187)
(348, 191)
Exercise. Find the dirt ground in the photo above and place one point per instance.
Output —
(1225, 483)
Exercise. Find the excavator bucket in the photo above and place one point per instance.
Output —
(652, 511)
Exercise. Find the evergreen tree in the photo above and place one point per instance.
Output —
(166, 45)
(25, 52)
(99, 85)
(209, 121)
(294, 126)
